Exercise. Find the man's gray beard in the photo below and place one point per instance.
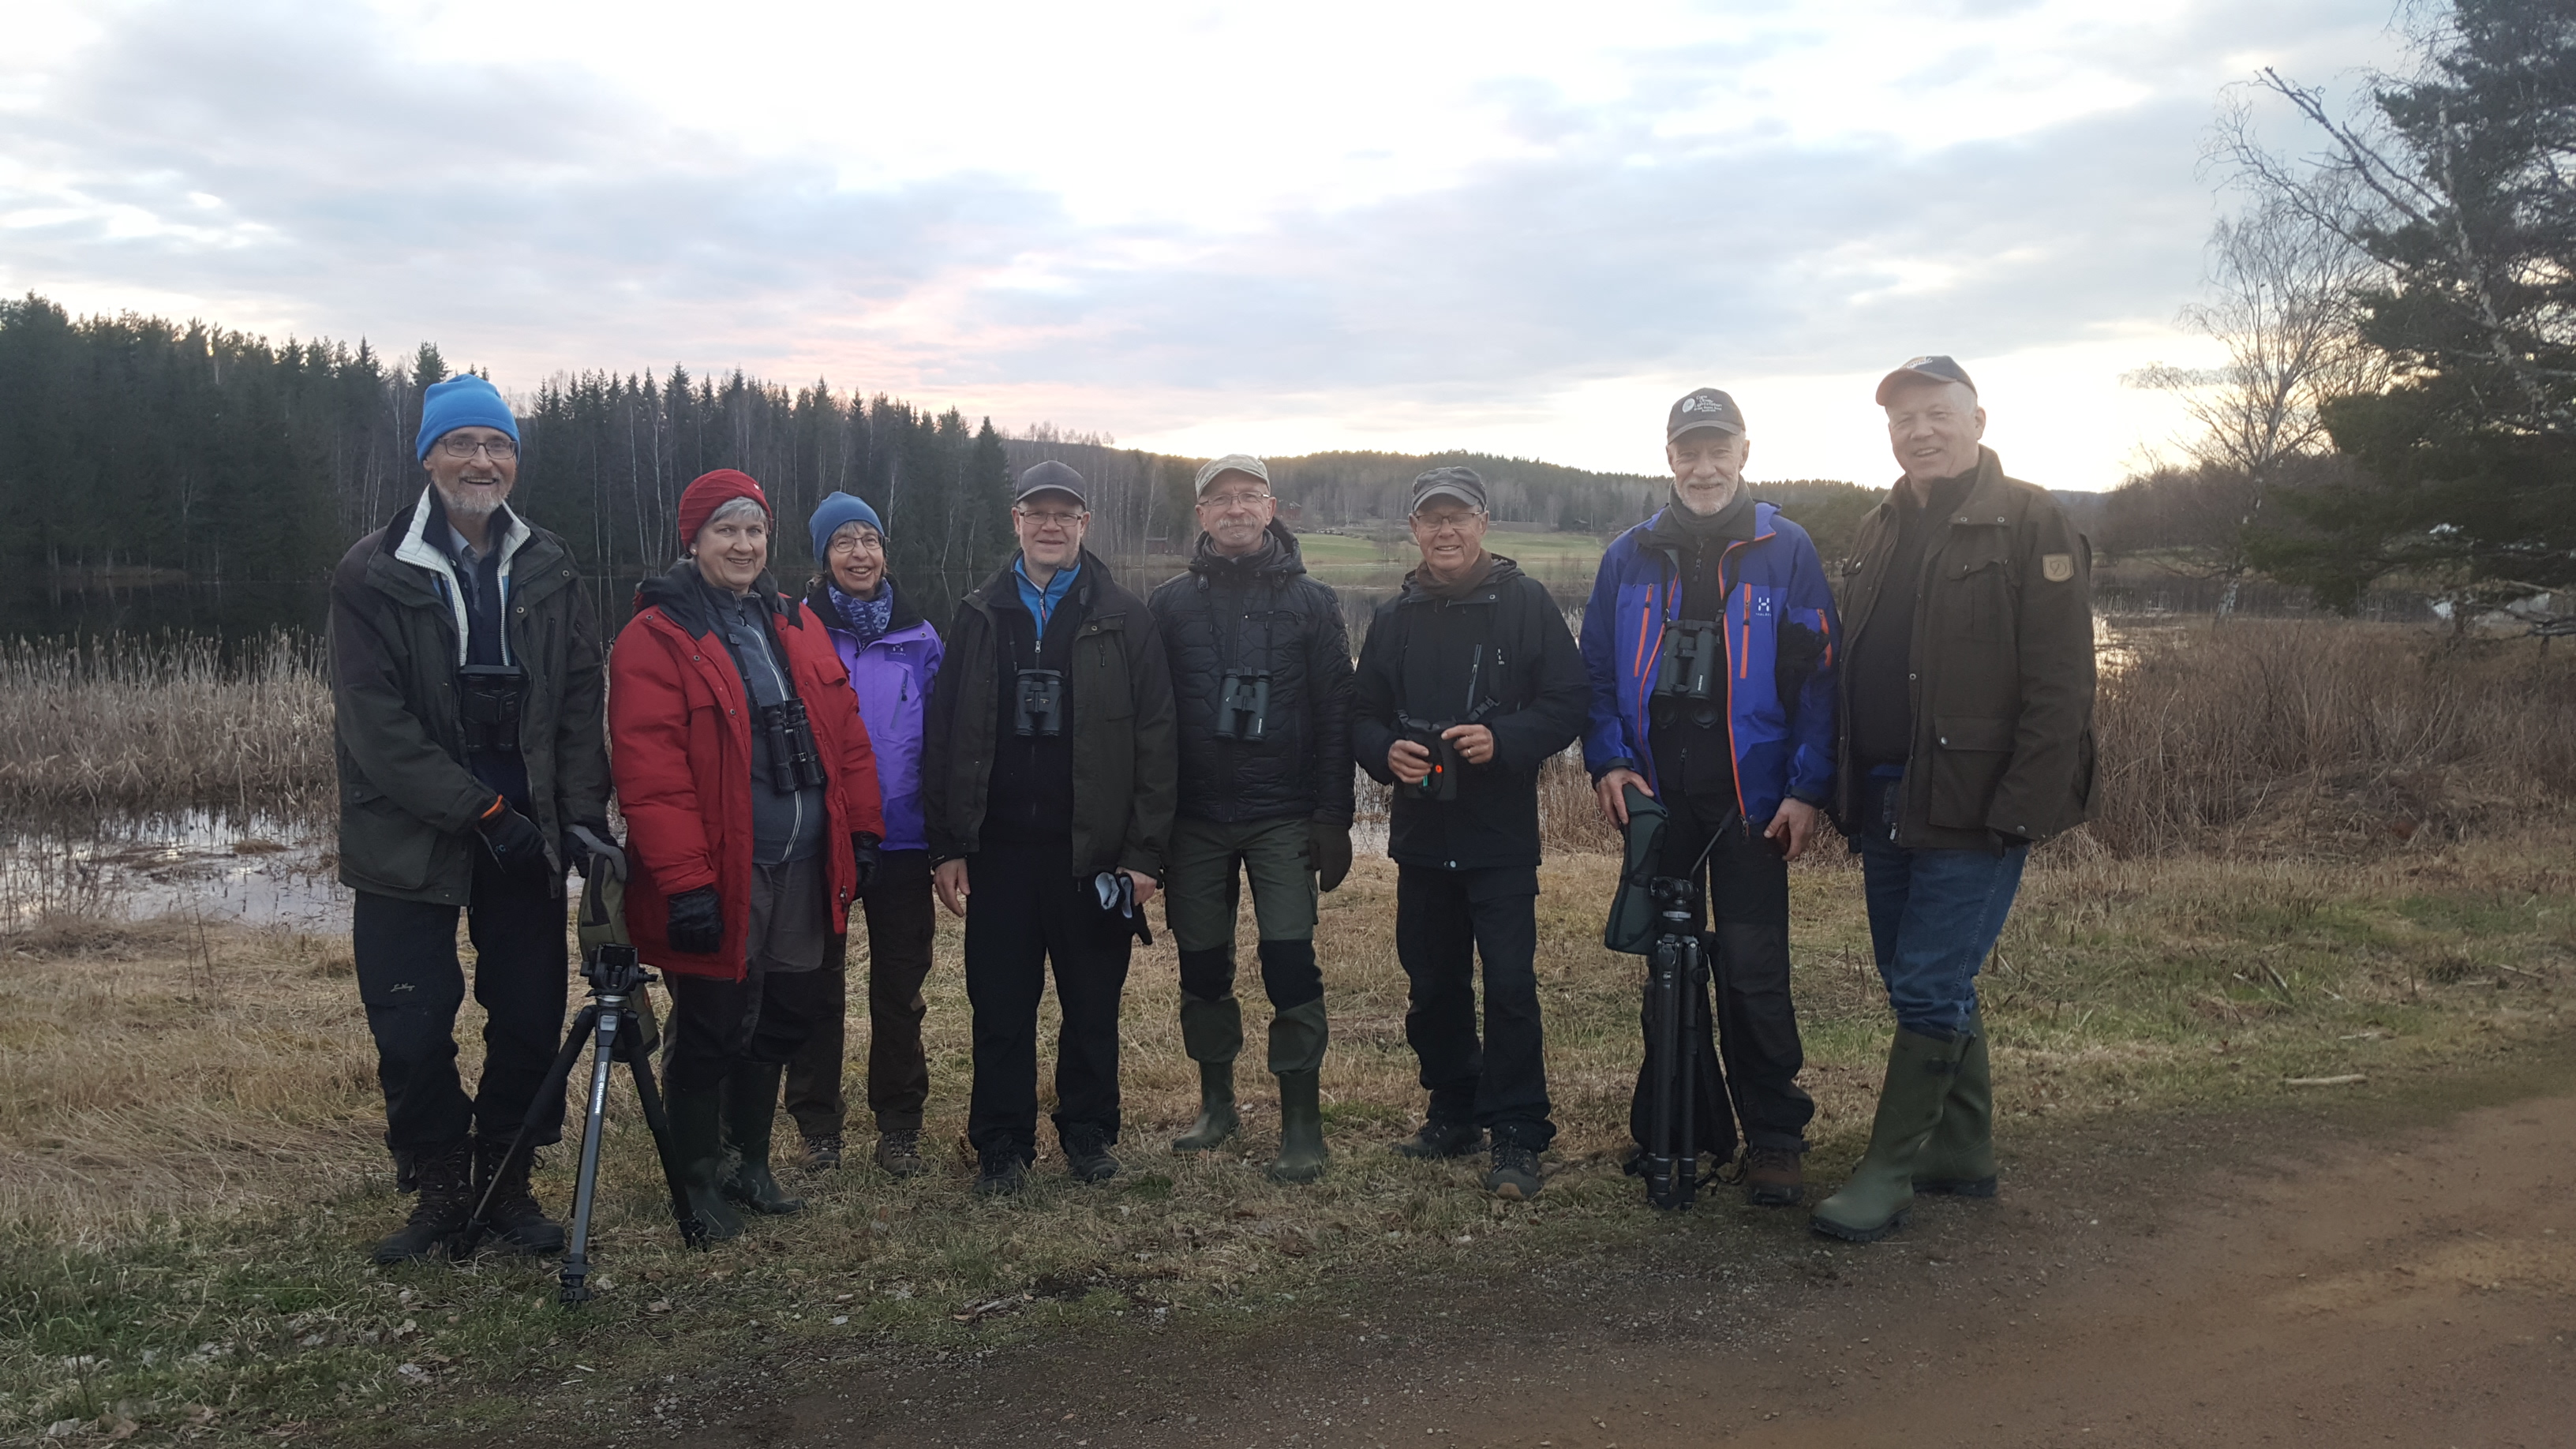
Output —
(472, 505)
(1682, 497)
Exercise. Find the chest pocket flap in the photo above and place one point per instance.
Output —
(1100, 667)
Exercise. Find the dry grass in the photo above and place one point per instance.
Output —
(163, 723)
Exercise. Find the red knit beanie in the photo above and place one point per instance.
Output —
(712, 491)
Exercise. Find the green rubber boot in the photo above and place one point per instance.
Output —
(1960, 1157)
(1212, 1033)
(1301, 1129)
(697, 1144)
(750, 1109)
(1874, 1203)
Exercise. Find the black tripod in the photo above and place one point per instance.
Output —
(1676, 977)
(618, 1023)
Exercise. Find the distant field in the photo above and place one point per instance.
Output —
(1342, 559)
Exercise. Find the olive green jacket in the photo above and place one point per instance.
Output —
(408, 804)
(2002, 666)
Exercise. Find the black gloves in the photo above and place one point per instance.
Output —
(517, 846)
(1328, 850)
(588, 846)
(696, 922)
(863, 858)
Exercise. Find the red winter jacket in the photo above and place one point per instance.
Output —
(679, 733)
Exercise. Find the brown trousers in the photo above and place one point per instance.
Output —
(900, 926)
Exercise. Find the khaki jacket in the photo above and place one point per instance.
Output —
(2002, 666)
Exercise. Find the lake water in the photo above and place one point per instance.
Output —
(195, 864)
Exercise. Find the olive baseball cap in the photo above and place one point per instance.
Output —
(1933, 367)
(1230, 463)
(1704, 407)
(1051, 477)
(1461, 484)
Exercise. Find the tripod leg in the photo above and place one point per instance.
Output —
(576, 1263)
(548, 1092)
(1661, 1004)
(693, 1234)
(1686, 1074)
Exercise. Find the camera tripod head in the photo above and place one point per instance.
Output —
(1676, 901)
(613, 970)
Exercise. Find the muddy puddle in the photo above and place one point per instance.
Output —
(199, 865)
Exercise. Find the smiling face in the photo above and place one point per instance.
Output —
(733, 550)
(1050, 526)
(1708, 467)
(857, 560)
(1934, 427)
(1450, 535)
(1235, 510)
(473, 470)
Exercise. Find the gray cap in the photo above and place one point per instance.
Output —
(1231, 463)
(1933, 367)
(1704, 407)
(1459, 483)
(1051, 477)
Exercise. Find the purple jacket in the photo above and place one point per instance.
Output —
(891, 676)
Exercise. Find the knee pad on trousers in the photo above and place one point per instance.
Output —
(1289, 973)
(1209, 974)
(1211, 1031)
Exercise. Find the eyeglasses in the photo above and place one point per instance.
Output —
(1435, 524)
(850, 543)
(1045, 519)
(1227, 502)
(456, 445)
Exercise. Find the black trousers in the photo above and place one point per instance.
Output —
(1025, 910)
(900, 929)
(761, 1020)
(1755, 1023)
(1444, 921)
(412, 983)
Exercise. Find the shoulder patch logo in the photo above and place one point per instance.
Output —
(2057, 568)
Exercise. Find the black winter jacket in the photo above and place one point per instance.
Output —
(1259, 614)
(1507, 636)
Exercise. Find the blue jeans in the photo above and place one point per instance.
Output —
(1933, 918)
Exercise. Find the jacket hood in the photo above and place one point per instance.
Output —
(1280, 559)
(818, 597)
(682, 595)
(1417, 591)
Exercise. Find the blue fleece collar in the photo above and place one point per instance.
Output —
(1041, 603)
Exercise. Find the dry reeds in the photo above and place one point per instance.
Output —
(126, 723)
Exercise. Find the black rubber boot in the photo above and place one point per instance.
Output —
(750, 1110)
(1874, 1203)
(1212, 1033)
(1960, 1157)
(697, 1143)
(1301, 1129)
(515, 1218)
(446, 1177)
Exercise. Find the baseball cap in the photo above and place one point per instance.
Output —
(1934, 367)
(1459, 483)
(1231, 463)
(1704, 407)
(1051, 477)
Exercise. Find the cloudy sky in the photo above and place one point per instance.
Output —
(1522, 228)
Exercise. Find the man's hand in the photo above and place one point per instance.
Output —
(1475, 742)
(1145, 886)
(517, 846)
(1612, 790)
(1792, 828)
(949, 880)
(1408, 762)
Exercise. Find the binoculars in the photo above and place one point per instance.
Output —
(1243, 707)
(1694, 659)
(1442, 782)
(794, 763)
(487, 704)
(1039, 709)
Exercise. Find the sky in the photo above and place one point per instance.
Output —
(1515, 228)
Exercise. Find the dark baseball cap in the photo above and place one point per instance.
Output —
(1459, 483)
(1051, 477)
(1932, 368)
(1704, 407)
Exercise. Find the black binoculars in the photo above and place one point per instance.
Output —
(794, 763)
(1694, 661)
(487, 704)
(1442, 782)
(1243, 707)
(1040, 711)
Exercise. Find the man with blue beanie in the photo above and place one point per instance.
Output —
(466, 691)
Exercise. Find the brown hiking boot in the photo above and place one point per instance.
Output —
(898, 1151)
(1773, 1176)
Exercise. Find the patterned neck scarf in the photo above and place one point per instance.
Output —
(867, 618)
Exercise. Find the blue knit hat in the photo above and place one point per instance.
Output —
(837, 509)
(463, 401)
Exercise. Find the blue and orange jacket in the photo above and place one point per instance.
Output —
(1782, 747)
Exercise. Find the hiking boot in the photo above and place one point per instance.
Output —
(1773, 1176)
(1217, 1118)
(1877, 1199)
(514, 1216)
(898, 1152)
(697, 1146)
(1441, 1138)
(750, 1111)
(1959, 1157)
(822, 1154)
(1086, 1154)
(446, 1177)
(1001, 1172)
(1301, 1129)
(1514, 1175)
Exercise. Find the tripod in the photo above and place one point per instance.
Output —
(618, 1024)
(1676, 976)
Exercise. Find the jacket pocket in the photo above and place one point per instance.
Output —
(385, 843)
(1980, 604)
(1105, 671)
(1969, 756)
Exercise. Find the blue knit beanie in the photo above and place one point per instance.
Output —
(837, 509)
(463, 401)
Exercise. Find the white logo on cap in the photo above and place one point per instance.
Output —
(1702, 405)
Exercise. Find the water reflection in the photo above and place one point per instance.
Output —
(197, 864)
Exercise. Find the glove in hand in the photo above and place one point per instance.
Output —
(1328, 846)
(696, 922)
(863, 859)
(517, 846)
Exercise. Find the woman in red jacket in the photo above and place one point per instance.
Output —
(750, 797)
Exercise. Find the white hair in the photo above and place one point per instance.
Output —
(733, 508)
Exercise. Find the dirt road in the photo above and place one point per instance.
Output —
(2268, 1281)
